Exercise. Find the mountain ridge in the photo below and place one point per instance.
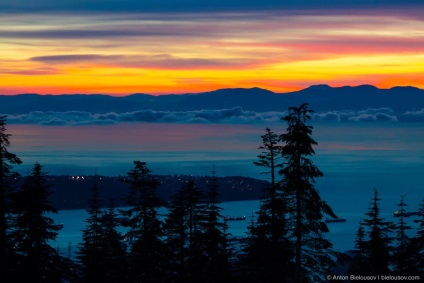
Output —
(315, 87)
(321, 97)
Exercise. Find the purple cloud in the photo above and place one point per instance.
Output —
(139, 61)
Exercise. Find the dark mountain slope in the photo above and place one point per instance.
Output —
(320, 97)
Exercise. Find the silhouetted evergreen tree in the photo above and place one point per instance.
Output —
(270, 252)
(360, 239)
(419, 241)
(251, 260)
(360, 263)
(91, 252)
(113, 250)
(176, 236)
(216, 248)
(273, 205)
(33, 230)
(7, 175)
(148, 254)
(185, 234)
(377, 246)
(314, 254)
(403, 256)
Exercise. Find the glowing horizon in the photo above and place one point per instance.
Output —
(174, 53)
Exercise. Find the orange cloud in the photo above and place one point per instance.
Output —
(162, 53)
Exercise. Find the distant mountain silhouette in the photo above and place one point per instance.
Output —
(321, 98)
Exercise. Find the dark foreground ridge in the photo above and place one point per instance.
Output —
(73, 192)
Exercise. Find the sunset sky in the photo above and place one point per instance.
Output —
(121, 47)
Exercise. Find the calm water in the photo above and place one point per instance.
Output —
(355, 159)
(342, 235)
(365, 150)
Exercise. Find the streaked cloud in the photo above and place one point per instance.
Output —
(122, 47)
(33, 72)
(157, 61)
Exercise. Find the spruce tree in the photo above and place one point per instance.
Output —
(251, 262)
(185, 233)
(270, 253)
(273, 203)
(216, 248)
(360, 264)
(313, 253)
(113, 248)
(377, 246)
(403, 256)
(33, 230)
(360, 240)
(176, 236)
(148, 255)
(7, 175)
(90, 252)
(419, 241)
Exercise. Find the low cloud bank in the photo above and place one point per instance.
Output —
(368, 115)
(234, 115)
(414, 116)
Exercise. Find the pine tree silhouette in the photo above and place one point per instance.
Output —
(216, 247)
(113, 248)
(185, 233)
(403, 255)
(269, 252)
(91, 254)
(7, 176)
(33, 230)
(377, 246)
(313, 253)
(148, 255)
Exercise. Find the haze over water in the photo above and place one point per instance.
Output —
(355, 157)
